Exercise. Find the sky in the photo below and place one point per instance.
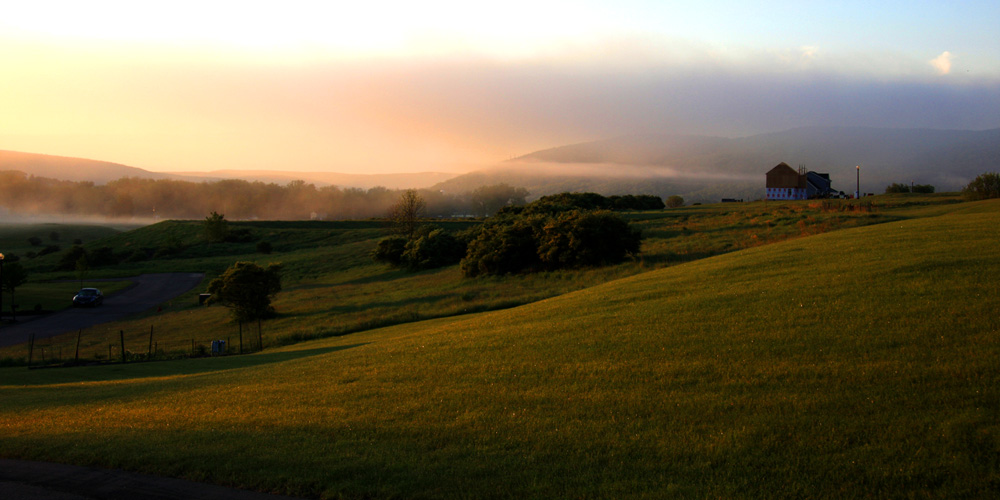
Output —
(450, 86)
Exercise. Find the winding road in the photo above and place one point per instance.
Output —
(147, 292)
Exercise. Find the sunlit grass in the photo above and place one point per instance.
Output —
(856, 363)
(331, 287)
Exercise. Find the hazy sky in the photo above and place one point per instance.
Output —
(379, 86)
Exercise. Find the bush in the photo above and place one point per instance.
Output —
(675, 201)
(578, 239)
(435, 248)
(390, 250)
(570, 201)
(923, 188)
(636, 202)
(47, 250)
(983, 187)
(505, 245)
(536, 242)
(35, 241)
(215, 227)
(897, 188)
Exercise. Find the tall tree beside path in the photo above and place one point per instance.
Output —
(247, 289)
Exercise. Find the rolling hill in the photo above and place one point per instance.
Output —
(850, 364)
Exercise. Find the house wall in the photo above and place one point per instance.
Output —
(786, 193)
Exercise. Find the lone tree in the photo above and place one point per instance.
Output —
(675, 201)
(247, 289)
(405, 214)
(14, 275)
(216, 227)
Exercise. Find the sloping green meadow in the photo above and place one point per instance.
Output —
(858, 363)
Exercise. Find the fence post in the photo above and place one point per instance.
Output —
(122, 334)
(31, 348)
(260, 337)
(76, 359)
(149, 355)
(241, 337)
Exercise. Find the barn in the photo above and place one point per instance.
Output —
(784, 183)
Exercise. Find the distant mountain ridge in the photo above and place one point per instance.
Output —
(700, 168)
(101, 172)
(950, 156)
(705, 168)
(73, 169)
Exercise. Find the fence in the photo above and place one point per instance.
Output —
(96, 346)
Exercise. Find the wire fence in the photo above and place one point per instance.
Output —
(102, 347)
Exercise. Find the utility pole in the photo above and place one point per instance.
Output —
(857, 193)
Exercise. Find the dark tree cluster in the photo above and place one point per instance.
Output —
(416, 245)
(488, 200)
(593, 201)
(530, 242)
(984, 186)
(164, 198)
(569, 230)
(538, 238)
(430, 247)
(903, 188)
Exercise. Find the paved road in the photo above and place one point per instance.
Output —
(49, 481)
(149, 291)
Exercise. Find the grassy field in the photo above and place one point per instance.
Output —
(333, 288)
(859, 363)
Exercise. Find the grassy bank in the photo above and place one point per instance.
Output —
(331, 287)
(857, 363)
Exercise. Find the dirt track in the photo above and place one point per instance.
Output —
(149, 291)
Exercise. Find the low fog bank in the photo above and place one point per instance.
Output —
(12, 218)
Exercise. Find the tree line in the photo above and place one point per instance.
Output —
(132, 197)
(566, 230)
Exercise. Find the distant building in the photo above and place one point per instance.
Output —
(784, 183)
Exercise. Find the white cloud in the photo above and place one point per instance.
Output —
(808, 51)
(942, 62)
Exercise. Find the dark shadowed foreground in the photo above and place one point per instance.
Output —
(49, 481)
(148, 291)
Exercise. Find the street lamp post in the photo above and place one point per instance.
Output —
(857, 194)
